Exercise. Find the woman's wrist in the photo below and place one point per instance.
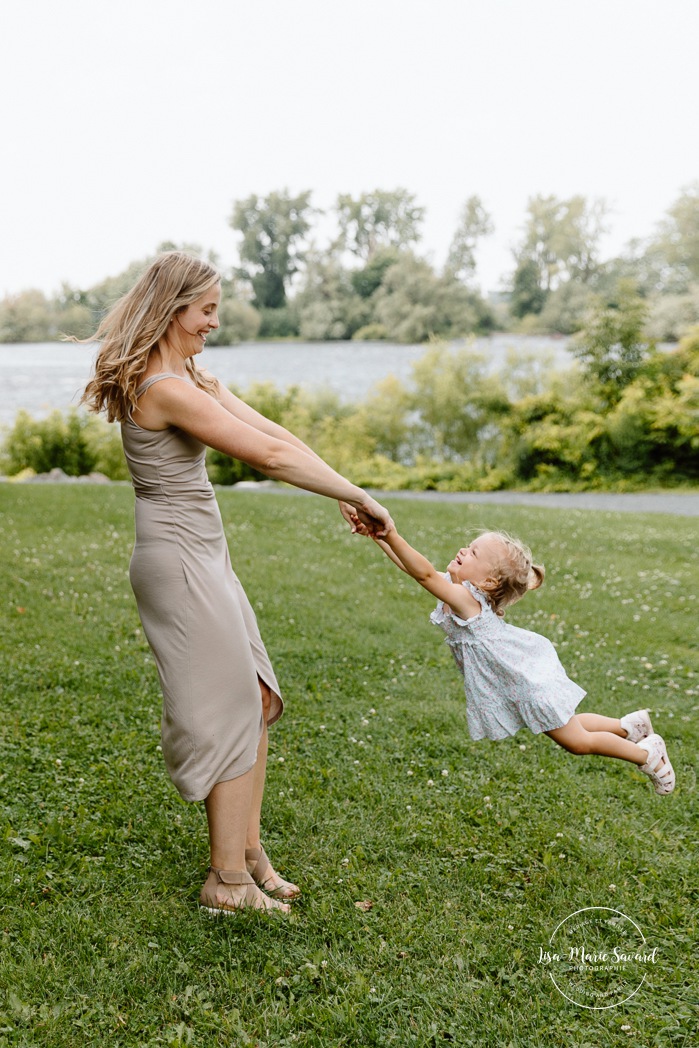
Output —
(361, 500)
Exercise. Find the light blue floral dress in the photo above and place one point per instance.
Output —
(513, 677)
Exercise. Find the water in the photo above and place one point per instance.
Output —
(52, 375)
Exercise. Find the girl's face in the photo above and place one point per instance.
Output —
(190, 327)
(477, 562)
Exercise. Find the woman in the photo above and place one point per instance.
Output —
(219, 688)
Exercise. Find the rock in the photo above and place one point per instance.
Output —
(255, 485)
(59, 476)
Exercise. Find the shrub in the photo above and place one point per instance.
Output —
(371, 333)
(56, 442)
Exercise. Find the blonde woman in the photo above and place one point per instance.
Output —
(219, 689)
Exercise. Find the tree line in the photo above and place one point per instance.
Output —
(626, 418)
(371, 282)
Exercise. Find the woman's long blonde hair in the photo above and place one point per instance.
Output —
(135, 324)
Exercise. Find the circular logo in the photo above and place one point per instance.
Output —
(598, 957)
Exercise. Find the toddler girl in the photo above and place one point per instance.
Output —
(513, 677)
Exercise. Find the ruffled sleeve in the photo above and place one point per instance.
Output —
(439, 615)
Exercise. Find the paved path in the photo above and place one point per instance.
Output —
(677, 504)
(681, 505)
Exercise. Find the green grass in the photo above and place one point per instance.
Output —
(101, 862)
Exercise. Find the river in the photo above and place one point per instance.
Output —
(41, 377)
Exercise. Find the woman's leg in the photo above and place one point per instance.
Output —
(269, 878)
(576, 737)
(232, 810)
(228, 811)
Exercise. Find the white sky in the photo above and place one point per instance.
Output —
(129, 122)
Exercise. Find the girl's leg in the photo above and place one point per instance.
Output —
(269, 878)
(596, 722)
(577, 738)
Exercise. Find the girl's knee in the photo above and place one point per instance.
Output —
(574, 739)
(580, 748)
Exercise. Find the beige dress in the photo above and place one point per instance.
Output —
(195, 614)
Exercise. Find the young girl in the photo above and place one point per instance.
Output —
(513, 677)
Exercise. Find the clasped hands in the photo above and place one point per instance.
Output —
(375, 521)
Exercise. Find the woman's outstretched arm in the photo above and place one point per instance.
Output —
(194, 411)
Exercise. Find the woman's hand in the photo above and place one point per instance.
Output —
(375, 518)
(349, 514)
(369, 519)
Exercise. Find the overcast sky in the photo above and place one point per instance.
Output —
(128, 122)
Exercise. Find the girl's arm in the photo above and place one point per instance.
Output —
(390, 554)
(458, 597)
(194, 411)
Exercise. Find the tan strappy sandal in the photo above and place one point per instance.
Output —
(258, 864)
(251, 900)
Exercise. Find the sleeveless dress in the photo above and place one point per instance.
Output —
(513, 678)
(198, 621)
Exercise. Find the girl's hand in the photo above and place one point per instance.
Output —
(357, 527)
(375, 518)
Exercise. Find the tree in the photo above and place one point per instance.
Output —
(328, 306)
(474, 223)
(612, 347)
(26, 317)
(378, 220)
(678, 238)
(459, 402)
(561, 242)
(272, 251)
(369, 279)
(413, 304)
(527, 296)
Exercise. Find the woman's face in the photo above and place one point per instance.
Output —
(190, 327)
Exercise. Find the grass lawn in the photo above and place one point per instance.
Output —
(470, 853)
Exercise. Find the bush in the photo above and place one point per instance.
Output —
(371, 333)
(279, 323)
(240, 322)
(56, 442)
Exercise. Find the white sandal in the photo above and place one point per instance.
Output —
(637, 725)
(657, 767)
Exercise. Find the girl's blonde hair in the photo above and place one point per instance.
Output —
(514, 574)
(135, 324)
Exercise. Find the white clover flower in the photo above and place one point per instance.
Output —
(444, 773)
